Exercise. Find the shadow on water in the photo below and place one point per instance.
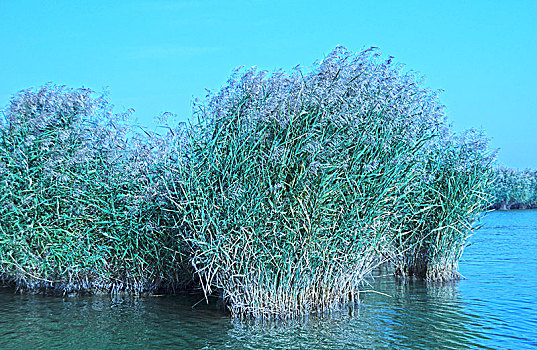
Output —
(494, 307)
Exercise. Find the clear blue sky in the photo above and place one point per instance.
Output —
(156, 56)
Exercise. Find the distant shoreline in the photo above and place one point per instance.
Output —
(516, 206)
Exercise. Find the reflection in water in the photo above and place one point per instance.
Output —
(494, 307)
(417, 315)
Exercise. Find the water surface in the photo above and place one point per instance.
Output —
(495, 307)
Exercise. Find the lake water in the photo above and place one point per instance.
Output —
(495, 307)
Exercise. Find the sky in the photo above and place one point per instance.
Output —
(157, 56)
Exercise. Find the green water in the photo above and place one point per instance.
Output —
(495, 307)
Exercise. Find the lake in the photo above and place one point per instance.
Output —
(494, 307)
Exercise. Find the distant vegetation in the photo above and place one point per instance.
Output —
(514, 189)
(281, 196)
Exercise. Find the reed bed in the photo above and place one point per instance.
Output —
(295, 186)
(81, 208)
(281, 196)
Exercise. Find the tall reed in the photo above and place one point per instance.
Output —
(296, 185)
(441, 211)
(81, 204)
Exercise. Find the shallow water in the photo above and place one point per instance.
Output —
(495, 307)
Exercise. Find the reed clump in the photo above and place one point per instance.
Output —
(81, 206)
(441, 212)
(294, 186)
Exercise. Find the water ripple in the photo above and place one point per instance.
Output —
(495, 307)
